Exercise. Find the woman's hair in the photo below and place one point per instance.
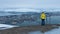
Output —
(42, 12)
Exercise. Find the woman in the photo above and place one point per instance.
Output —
(43, 17)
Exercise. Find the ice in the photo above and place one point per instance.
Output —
(54, 31)
(35, 32)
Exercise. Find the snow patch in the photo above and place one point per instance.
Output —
(4, 26)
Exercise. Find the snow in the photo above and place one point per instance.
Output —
(29, 10)
(22, 10)
(5, 26)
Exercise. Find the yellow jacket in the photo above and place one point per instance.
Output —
(43, 16)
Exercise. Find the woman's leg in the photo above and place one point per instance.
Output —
(43, 22)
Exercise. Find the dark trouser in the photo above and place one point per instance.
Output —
(43, 22)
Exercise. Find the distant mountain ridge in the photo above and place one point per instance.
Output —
(24, 18)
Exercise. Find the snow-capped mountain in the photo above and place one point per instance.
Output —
(29, 10)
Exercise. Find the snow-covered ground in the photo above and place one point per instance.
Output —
(4, 26)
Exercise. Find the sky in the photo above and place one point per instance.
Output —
(30, 3)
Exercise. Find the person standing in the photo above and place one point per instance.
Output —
(43, 17)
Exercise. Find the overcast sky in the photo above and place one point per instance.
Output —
(30, 3)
